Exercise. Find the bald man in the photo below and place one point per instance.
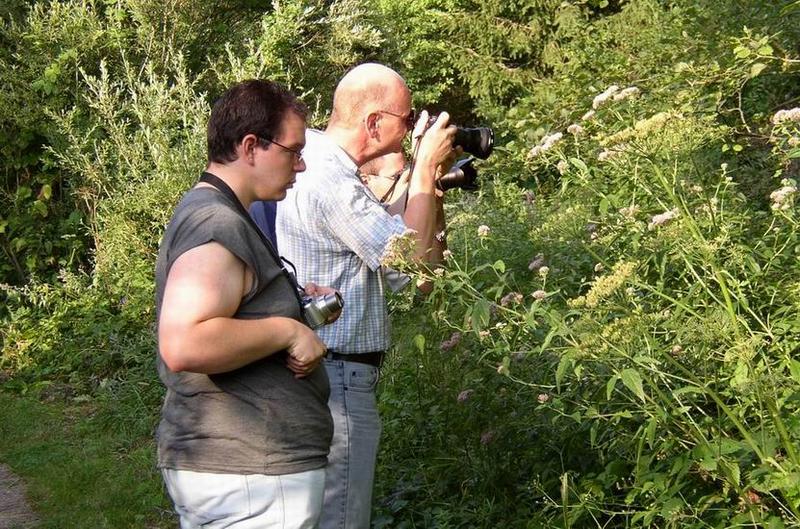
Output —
(336, 233)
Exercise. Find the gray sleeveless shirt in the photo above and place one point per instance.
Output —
(257, 419)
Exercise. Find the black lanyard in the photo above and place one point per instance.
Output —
(225, 189)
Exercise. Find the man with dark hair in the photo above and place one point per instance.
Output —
(245, 429)
(336, 232)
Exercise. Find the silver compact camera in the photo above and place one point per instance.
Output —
(321, 310)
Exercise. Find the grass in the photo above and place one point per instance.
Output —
(81, 471)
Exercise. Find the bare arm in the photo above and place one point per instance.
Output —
(420, 215)
(196, 329)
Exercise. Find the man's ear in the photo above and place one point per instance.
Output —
(372, 123)
(247, 147)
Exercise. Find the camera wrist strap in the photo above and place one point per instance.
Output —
(225, 189)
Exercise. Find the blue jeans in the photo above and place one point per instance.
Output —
(246, 501)
(356, 431)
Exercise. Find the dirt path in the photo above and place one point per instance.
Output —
(15, 513)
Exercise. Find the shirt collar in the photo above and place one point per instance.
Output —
(334, 149)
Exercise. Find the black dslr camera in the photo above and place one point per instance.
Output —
(478, 141)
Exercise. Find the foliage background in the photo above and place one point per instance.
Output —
(617, 349)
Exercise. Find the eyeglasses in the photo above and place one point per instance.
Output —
(298, 154)
(409, 120)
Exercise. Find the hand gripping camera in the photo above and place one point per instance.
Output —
(322, 310)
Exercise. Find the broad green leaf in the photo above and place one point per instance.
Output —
(740, 374)
(731, 471)
(577, 162)
(479, 318)
(500, 266)
(603, 207)
(741, 52)
(756, 69)
(794, 368)
(419, 342)
(633, 381)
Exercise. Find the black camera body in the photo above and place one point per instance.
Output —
(478, 141)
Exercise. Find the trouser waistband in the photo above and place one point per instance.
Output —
(374, 358)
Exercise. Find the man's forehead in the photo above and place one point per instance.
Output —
(293, 127)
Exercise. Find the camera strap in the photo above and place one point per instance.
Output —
(225, 189)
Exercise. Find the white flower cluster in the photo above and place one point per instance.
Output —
(562, 166)
(589, 115)
(604, 97)
(662, 218)
(786, 115)
(610, 153)
(783, 198)
(575, 129)
(399, 250)
(545, 145)
(631, 91)
(614, 93)
(536, 263)
(483, 230)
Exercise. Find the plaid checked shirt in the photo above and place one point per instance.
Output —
(335, 231)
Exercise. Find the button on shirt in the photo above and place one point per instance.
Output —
(335, 231)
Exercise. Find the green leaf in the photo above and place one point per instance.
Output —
(500, 266)
(46, 192)
(740, 374)
(633, 381)
(794, 368)
(577, 162)
(480, 314)
(610, 385)
(756, 69)
(39, 207)
(741, 52)
(731, 471)
(775, 522)
(603, 207)
(651, 431)
(563, 366)
(419, 342)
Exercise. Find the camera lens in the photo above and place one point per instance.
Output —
(463, 175)
(478, 142)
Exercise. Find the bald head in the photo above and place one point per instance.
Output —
(368, 88)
